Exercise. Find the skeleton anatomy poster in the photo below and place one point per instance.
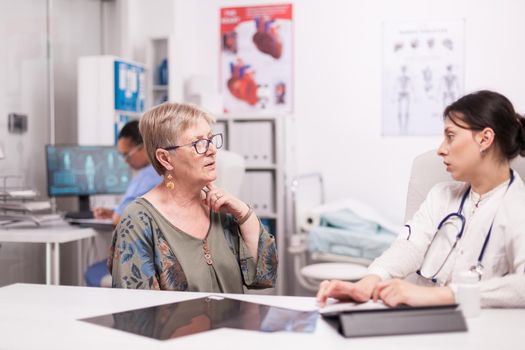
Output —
(423, 68)
(256, 58)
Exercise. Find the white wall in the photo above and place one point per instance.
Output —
(72, 20)
(24, 88)
(338, 62)
(137, 21)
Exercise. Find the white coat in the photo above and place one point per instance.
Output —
(503, 279)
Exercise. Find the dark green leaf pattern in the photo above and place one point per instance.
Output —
(135, 271)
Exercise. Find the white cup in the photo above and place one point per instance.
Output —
(468, 294)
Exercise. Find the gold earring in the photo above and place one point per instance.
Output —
(169, 182)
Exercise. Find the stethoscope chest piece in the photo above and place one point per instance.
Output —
(477, 269)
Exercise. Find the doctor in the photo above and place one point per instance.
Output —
(477, 224)
(131, 146)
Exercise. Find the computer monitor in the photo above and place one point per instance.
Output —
(74, 170)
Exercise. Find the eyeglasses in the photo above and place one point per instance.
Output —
(131, 152)
(201, 146)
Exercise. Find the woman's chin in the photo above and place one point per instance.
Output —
(456, 176)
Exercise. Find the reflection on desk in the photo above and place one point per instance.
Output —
(46, 317)
(194, 316)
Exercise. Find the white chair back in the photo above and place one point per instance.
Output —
(427, 170)
(230, 171)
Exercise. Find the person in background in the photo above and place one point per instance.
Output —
(131, 147)
(187, 234)
(476, 225)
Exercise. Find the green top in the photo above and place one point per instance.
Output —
(150, 252)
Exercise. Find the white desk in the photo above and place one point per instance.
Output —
(52, 234)
(45, 317)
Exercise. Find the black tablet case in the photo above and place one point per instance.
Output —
(404, 320)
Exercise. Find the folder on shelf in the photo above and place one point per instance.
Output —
(247, 189)
(238, 140)
(263, 191)
(254, 141)
(258, 190)
(264, 150)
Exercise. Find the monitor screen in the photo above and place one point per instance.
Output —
(74, 170)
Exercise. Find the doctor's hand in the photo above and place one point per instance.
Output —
(102, 213)
(397, 292)
(360, 291)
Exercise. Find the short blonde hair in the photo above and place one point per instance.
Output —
(162, 125)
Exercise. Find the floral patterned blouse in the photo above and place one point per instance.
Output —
(149, 252)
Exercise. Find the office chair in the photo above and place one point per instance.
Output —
(428, 170)
(230, 171)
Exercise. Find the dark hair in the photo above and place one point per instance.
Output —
(488, 109)
(131, 131)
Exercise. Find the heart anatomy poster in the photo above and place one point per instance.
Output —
(423, 69)
(256, 59)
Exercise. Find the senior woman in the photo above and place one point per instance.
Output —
(187, 234)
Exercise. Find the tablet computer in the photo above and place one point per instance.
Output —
(398, 320)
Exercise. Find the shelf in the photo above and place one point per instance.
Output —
(157, 51)
(246, 117)
(266, 215)
(257, 139)
(255, 167)
(160, 87)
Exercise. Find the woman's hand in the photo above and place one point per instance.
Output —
(396, 292)
(220, 200)
(102, 213)
(360, 291)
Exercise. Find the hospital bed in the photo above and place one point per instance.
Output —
(336, 240)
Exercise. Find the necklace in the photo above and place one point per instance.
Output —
(207, 255)
(477, 203)
(476, 200)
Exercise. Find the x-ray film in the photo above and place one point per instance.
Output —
(178, 319)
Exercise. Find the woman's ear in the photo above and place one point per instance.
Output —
(486, 139)
(163, 157)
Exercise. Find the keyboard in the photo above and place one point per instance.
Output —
(79, 215)
(97, 224)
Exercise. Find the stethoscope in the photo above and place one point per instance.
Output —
(478, 267)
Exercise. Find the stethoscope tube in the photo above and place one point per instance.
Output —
(478, 268)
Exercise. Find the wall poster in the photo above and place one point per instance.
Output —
(423, 72)
(256, 59)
